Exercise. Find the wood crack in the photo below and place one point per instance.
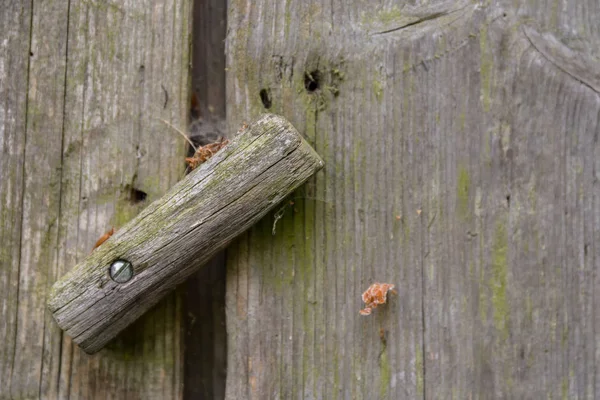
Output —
(421, 20)
(578, 59)
(416, 22)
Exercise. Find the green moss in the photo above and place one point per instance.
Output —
(385, 375)
(246, 70)
(565, 336)
(498, 281)
(406, 230)
(151, 184)
(378, 89)
(419, 371)
(288, 18)
(383, 16)
(565, 388)
(125, 212)
(336, 372)
(483, 298)
(486, 64)
(554, 12)
(462, 193)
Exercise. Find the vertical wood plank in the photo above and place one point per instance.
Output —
(84, 150)
(461, 161)
(15, 30)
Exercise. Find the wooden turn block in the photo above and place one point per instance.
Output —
(165, 243)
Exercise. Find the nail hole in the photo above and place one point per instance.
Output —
(312, 80)
(31, 53)
(135, 195)
(508, 200)
(265, 97)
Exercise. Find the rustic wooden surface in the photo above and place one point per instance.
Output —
(175, 235)
(460, 141)
(204, 292)
(83, 84)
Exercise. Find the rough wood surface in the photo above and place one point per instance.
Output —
(461, 152)
(83, 85)
(176, 234)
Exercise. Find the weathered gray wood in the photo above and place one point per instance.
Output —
(83, 85)
(193, 221)
(461, 148)
(15, 29)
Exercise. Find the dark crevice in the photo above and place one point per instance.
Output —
(312, 80)
(204, 334)
(60, 187)
(134, 195)
(265, 97)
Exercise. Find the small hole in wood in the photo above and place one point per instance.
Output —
(135, 195)
(508, 200)
(265, 97)
(312, 80)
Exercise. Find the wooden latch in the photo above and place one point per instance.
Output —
(172, 237)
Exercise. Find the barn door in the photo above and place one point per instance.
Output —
(461, 147)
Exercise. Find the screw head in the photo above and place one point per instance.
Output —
(121, 271)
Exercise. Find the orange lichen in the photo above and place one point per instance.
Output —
(104, 238)
(375, 295)
(203, 153)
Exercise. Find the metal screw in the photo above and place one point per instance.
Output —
(121, 271)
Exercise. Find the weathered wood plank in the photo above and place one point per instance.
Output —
(99, 76)
(15, 28)
(198, 217)
(460, 143)
(39, 195)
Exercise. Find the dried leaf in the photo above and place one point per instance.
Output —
(205, 152)
(375, 295)
(104, 238)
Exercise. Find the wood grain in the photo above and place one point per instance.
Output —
(84, 84)
(461, 148)
(183, 229)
